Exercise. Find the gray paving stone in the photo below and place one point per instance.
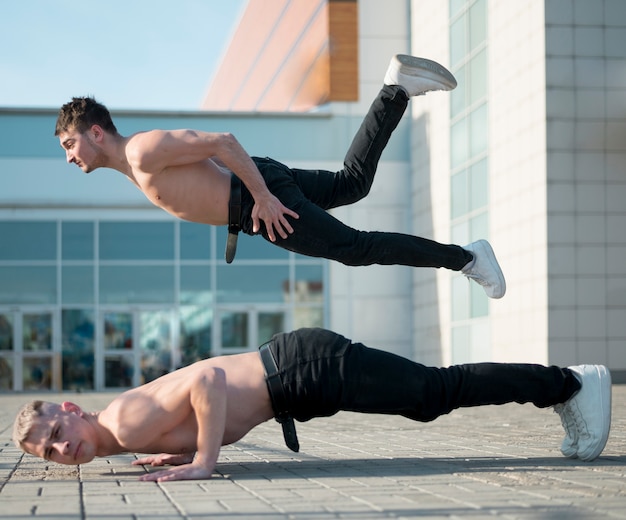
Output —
(490, 462)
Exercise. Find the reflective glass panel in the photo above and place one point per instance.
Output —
(270, 323)
(478, 23)
(78, 335)
(136, 240)
(195, 285)
(478, 130)
(459, 143)
(456, 6)
(6, 374)
(457, 96)
(118, 371)
(136, 284)
(37, 373)
(268, 284)
(37, 331)
(460, 298)
(155, 343)
(77, 284)
(234, 329)
(479, 304)
(305, 316)
(118, 331)
(77, 240)
(479, 185)
(309, 285)
(195, 241)
(28, 284)
(250, 247)
(459, 194)
(458, 40)
(28, 240)
(6, 332)
(478, 77)
(461, 345)
(196, 327)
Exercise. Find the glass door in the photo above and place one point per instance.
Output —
(30, 357)
(137, 346)
(245, 329)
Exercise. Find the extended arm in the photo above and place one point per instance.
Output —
(158, 149)
(208, 400)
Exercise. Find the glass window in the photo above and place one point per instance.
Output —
(478, 130)
(77, 284)
(460, 298)
(456, 6)
(195, 285)
(309, 285)
(37, 373)
(270, 323)
(78, 336)
(459, 190)
(195, 241)
(196, 326)
(28, 284)
(6, 373)
(28, 240)
(234, 329)
(459, 143)
(136, 284)
(77, 240)
(155, 344)
(118, 331)
(461, 352)
(458, 40)
(250, 247)
(479, 185)
(118, 371)
(478, 77)
(37, 331)
(479, 226)
(478, 301)
(236, 283)
(6, 332)
(136, 240)
(307, 316)
(457, 96)
(478, 23)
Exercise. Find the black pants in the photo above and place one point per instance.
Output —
(311, 192)
(323, 372)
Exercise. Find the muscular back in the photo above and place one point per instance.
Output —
(158, 416)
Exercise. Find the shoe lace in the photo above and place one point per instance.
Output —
(567, 420)
(579, 423)
(476, 277)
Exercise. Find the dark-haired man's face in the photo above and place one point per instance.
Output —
(83, 149)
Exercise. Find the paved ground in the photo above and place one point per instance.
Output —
(489, 462)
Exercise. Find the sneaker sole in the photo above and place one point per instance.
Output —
(413, 66)
(486, 251)
(605, 407)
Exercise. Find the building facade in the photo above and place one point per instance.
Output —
(100, 290)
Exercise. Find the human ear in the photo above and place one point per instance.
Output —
(67, 406)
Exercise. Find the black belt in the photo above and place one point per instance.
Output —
(234, 218)
(279, 401)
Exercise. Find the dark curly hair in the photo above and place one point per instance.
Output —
(81, 114)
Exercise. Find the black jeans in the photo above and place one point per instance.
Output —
(323, 372)
(311, 192)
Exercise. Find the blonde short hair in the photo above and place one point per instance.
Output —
(25, 420)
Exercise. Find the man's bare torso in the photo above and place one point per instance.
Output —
(158, 417)
(197, 192)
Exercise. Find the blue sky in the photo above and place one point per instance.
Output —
(129, 54)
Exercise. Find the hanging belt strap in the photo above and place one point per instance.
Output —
(234, 218)
(279, 401)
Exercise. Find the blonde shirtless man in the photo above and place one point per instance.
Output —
(209, 178)
(183, 418)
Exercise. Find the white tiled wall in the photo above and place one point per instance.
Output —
(586, 143)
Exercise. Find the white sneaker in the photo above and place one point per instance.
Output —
(569, 446)
(418, 75)
(590, 410)
(484, 269)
